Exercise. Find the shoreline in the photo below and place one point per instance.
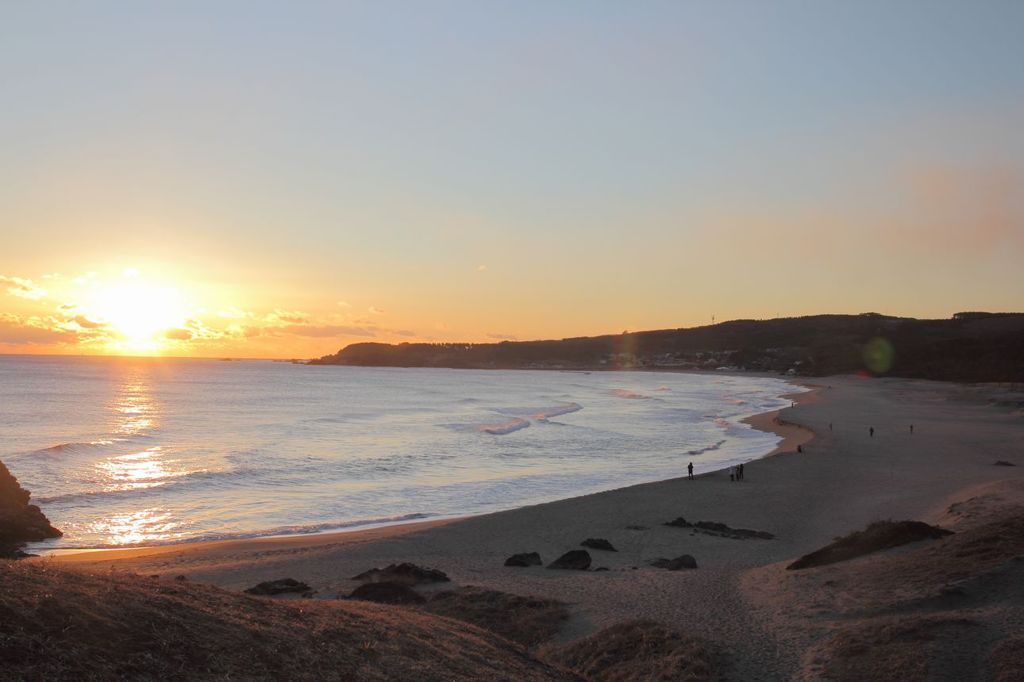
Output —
(793, 435)
(768, 422)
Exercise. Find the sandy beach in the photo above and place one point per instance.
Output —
(740, 597)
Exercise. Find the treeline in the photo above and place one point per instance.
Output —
(972, 346)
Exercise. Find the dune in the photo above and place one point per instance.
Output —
(60, 623)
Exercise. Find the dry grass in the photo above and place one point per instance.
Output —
(526, 620)
(59, 624)
(876, 537)
(637, 650)
(904, 649)
(1007, 660)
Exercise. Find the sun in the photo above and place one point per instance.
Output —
(137, 311)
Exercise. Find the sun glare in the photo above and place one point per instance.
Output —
(138, 312)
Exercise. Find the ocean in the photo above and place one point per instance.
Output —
(126, 451)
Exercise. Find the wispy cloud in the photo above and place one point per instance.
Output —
(23, 288)
(328, 330)
(374, 310)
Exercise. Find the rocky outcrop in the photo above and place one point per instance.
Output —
(387, 593)
(573, 560)
(680, 562)
(281, 586)
(598, 543)
(524, 560)
(20, 522)
(720, 529)
(406, 574)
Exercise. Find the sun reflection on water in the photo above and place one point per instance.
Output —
(134, 409)
(138, 470)
(146, 525)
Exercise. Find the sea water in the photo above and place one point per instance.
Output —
(122, 451)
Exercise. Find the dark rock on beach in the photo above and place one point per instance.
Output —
(720, 529)
(598, 543)
(573, 560)
(281, 586)
(525, 560)
(20, 522)
(405, 573)
(1004, 463)
(725, 531)
(680, 562)
(387, 593)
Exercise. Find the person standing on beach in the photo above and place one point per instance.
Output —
(871, 431)
(689, 470)
(911, 429)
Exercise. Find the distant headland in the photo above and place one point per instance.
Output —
(970, 346)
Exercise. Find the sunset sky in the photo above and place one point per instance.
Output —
(281, 179)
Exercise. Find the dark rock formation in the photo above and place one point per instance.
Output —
(713, 528)
(680, 562)
(598, 543)
(20, 522)
(406, 573)
(282, 586)
(524, 559)
(387, 593)
(720, 529)
(573, 560)
(1004, 463)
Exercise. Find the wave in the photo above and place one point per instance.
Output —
(631, 395)
(311, 529)
(519, 418)
(75, 446)
(701, 451)
(541, 413)
(496, 429)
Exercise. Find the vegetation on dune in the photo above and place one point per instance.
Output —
(59, 624)
(527, 620)
(876, 537)
(637, 650)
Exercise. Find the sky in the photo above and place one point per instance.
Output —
(267, 179)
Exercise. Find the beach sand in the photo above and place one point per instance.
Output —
(843, 479)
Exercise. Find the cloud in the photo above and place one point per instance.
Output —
(403, 332)
(481, 268)
(33, 330)
(179, 334)
(503, 337)
(287, 317)
(328, 330)
(23, 288)
(344, 304)
(85, 323)
(374, 310)
(232, 313)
